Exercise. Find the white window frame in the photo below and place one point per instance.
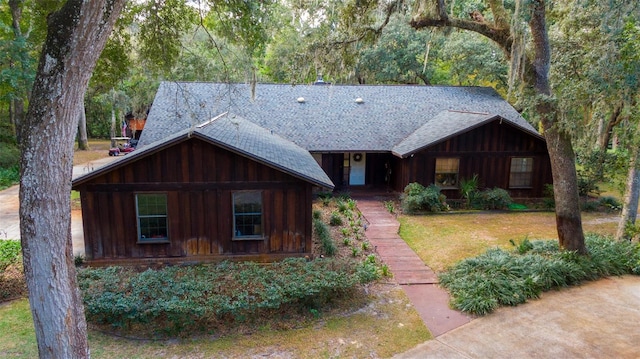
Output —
(143, 233)
(255, 228)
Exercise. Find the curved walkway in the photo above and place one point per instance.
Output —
(417, 280)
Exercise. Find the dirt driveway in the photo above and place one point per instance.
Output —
(9, 216)
(10, 208)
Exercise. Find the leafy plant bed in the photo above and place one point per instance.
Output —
(230, 297)
(498, 277)
(214, 298)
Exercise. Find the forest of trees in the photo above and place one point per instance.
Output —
(571, 66)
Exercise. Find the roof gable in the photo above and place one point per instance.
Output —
(239, 136)
(443, 126)
(326, 118)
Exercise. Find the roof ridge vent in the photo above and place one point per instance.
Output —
(212, 120)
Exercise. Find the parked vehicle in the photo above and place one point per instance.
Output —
(122, 147)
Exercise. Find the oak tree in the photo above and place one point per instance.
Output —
(76, 34)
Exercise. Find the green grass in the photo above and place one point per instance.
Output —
(389, 325)
(441, 240)
(18, 339)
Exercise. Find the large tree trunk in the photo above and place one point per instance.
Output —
(631, 194)
(83, 141)
(76, 36)
(563, 165)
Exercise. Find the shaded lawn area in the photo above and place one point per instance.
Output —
(389, 325)
(441, 240)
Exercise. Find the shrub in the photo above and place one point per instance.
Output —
(317, 214)
(496, 198)
(589, 206)
(498, 277)
(610, 203)
(418, 198)
(325, 197)
(342, 206)
(548, 201)
(366, 245)
(390, 206)
(326, 242)
(9, 253)
(185, 299)
(335, 219)
(469, 190)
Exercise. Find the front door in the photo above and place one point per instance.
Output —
(357, 169)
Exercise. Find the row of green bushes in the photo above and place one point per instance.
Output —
(499, 277)
(204, 297)
(418, 198)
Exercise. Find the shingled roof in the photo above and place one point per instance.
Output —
(240, 136)
(334, 118)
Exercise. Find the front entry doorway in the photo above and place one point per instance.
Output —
(357, 168)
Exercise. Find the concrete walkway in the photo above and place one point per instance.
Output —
(417, 280)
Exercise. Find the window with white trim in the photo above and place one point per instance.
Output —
(151, 211)
(447, 172)
(521, 172)
(247, 215)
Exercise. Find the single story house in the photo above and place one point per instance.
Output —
(228, 170)
(378, 136)
(225, 188)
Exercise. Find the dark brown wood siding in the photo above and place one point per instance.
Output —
(487, 152)
(199, 180)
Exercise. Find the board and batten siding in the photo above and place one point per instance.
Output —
(487, 152)
(199, 179)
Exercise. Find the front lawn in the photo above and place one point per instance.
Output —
(331, 308)
(486, 260)
(442, 240)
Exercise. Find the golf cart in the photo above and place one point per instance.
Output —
(124, 145)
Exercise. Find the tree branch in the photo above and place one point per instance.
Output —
(501, 36)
